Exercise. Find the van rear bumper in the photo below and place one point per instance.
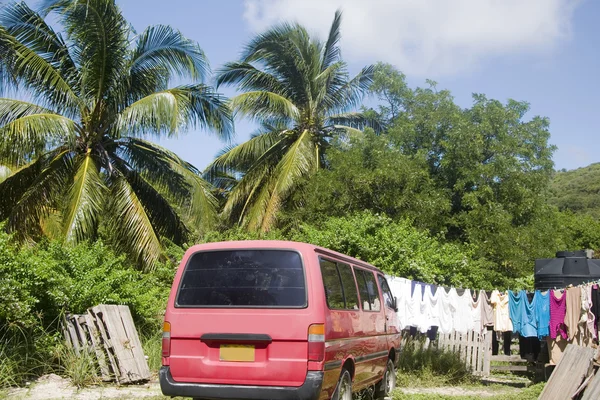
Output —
(310, 389)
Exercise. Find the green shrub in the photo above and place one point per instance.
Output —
(43, 281)
(396, 247)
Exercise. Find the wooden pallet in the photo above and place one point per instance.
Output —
(574, 369)
(108, 331)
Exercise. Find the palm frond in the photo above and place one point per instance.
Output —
(171, 110)
(163, 47)
(331, 51)
(297, 162)
(99, 35)
(244, 155)
(164, 219)
(176, 179)
(247, 77)
(84, 200)
(21, 65)
(350, 94)
(40, 192)
(29, 28)
(32, 133)
(130, 224)
(156, 165)
(264, 105)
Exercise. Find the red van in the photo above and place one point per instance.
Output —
(277, 320)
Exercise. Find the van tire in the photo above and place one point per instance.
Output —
(387, 385)
(343, 389)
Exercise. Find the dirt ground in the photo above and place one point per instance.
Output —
(51, 387)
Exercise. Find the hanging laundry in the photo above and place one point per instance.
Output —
(573, 310)
(463, 316)
(433, 306)
(586, 318)
(487, 311)
(522, 314)
(477, 306)
(595, 297)
(502, 322)
(447, 310)
(414, 307)
(401, 289)
(558, 309)
(542, 313)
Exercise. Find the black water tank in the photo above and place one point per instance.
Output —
(569, 267)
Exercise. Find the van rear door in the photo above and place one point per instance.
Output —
(241, 316)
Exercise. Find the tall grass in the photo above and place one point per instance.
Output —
(430, 366)
(152, 345)
(81, 368)
(25, 354)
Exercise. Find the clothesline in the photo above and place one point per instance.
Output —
(570, 313)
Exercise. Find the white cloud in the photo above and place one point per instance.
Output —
(427, 37)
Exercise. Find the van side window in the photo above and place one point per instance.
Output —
(388, 297)
(340, 288)
(369, 293)
(332, 284)
(362, 289)
(349, 286)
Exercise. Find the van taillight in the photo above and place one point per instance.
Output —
(166, 339)
(316, 342)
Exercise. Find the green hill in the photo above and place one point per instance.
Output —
(577, 190)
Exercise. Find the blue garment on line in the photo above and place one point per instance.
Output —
(522, 314)
(542, 313)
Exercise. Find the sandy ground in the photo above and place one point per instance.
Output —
(460, 391)
(50, 387)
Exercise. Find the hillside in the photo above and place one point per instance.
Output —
(578, 190)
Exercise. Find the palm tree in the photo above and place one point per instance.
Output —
(298, 88)
(76, 137)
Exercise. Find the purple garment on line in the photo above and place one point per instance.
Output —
(558, 310)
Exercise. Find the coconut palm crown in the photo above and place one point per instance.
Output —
(77, 110)
(298, 88)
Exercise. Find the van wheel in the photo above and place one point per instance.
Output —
(387, 385)
(343, 390)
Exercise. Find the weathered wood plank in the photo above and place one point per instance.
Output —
(143, 370)
(120, 343)
(569, 373)
(97, 314)
(98, 346)
(487, 353)
(510, 367)
(592, 392)
(508, 358)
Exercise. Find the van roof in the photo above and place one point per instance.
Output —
(275, 244)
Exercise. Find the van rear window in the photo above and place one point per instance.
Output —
(243, 278)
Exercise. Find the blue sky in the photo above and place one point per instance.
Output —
(545, 52)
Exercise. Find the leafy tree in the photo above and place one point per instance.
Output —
(369, 173)
(76, 142)
(577, 190)
(298, 88)
(396, 247)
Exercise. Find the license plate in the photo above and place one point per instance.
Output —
(236, 352)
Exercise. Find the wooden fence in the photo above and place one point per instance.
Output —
(475, 350)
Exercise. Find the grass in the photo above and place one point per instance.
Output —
(529, 393)
(80, 368)
(418, 367)
(152, 345)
